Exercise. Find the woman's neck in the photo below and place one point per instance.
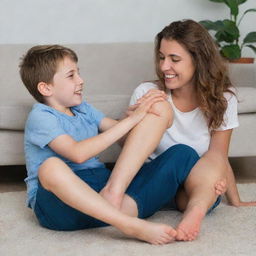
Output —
(185, 99)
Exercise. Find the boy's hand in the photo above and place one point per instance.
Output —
(144, 104)
(154, 95)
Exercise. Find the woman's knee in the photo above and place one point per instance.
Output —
(164, 110)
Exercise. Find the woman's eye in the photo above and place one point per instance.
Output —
(161, 57)
(175, 60)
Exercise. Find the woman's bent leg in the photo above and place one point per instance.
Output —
(158, 181)
(200, 191)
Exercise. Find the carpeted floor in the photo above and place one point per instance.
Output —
(226, 231)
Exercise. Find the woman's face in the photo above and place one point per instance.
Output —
(176, 64)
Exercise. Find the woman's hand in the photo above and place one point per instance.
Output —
(221, 187)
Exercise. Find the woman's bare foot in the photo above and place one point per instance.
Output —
(153, 233)
(189, 227)
(112, 197)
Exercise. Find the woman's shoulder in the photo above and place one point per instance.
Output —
(145, 86)
(231, 95)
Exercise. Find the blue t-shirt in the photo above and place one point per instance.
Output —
(43, 125)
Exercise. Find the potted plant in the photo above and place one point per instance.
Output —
(227, 32)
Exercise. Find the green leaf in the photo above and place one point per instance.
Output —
(252, 47)
(231, 28)
(250, 38)
(222, 36)
(233, 5)
(227, 31)
(231, 51)
(250, 10)
(224, 1)
(212, 25)
(240, 1)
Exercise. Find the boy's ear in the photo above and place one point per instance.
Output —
(44, 88)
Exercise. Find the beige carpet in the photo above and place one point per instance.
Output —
(226, 231)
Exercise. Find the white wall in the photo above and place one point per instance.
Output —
(90, 21)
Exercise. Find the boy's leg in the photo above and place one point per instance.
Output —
(201, 196)
(140, 143)
(56, 177)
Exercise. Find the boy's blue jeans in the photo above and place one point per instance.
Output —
(153, 187)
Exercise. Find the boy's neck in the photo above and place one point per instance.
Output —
(62, 109)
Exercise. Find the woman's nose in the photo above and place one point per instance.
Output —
(165, 65)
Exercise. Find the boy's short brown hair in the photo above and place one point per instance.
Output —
(40, 64)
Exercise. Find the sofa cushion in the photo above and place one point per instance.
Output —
(246, 100)
(111, 105)
(13, 117)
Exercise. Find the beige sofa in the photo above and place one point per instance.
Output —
(111, 72)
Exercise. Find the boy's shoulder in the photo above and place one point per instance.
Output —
(43, 113)
(43, 108)
(39, 109)
(40, 114)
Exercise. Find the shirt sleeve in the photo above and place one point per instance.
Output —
(42, 127)
(231, 115)
(140, 91)
(94, 115)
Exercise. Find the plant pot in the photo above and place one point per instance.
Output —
(247, 60)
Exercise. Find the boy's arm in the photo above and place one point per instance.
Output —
(107, 123)
(81, 151)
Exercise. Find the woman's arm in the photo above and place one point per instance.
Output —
(232, 191)
(219, 146)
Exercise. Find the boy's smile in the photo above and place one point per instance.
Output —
(67, 86)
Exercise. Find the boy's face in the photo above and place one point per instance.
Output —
(67, 86)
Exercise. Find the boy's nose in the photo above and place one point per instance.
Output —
(80, 80)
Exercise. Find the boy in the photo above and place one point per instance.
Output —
(61, 145)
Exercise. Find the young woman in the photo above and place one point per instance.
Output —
(194, 76)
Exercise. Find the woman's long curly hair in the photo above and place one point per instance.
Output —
(211, 73)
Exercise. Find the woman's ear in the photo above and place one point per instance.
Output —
(44, 88)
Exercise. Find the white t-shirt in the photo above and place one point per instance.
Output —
(189, 128)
